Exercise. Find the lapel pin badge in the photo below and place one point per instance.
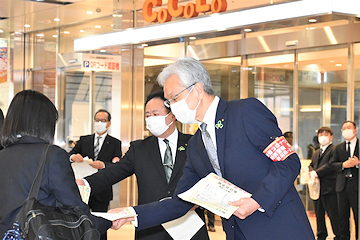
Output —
(219, 124)
(181, 148)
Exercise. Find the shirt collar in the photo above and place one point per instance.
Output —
(102, 136)
(209, 117)
(353, 141)
(324, 147)
(172, 138)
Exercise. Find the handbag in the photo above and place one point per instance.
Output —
(38, 221)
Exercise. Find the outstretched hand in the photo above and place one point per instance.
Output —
(117, 224)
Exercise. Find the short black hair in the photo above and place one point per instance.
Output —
(30, 113)
(353, 123)
(103, 110)
(288, 134)
(325, 129)
(158, 94)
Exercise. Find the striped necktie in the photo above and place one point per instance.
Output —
(97, 148)
(168, 163)
(210, 149)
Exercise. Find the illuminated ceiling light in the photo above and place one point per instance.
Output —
(192, 38)
(144, 45)
(57, 19)
(331, 61)
(82, 30)
(117, 15)
(312, 20)
(66, 32)
(27, 25)
(338, 65)
(1, 31)
(102, 50)
(112, 25)
(247, 30)
(212, 22)
(40, 35)
(310, 109)
(54, 36)
(97, 26)
(89, 12)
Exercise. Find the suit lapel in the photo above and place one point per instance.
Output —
(180, 156)
(155, 156)
(104, 146)
(220, 129)
(91, 143)
(356, 151)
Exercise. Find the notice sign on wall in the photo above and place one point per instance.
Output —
(100, 62)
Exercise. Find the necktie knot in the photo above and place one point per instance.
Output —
(203, 127)
(321, 151)
(166, 142)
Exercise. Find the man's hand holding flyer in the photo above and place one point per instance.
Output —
(214, 194)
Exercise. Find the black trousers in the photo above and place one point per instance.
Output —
(327, 204)
(348, 198)
(99, 206)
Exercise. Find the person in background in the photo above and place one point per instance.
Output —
(104, 150)
(146, 159)
(346, 163)
(29, 126)
(289, 137)
(210, 221)
(312, 147)
(320, 167)
(1, 124)
(230, 141)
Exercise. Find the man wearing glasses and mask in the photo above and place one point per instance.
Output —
(104, 150)
(230, 142)
(157, 161)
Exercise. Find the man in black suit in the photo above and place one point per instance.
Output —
(346, 162)
(320, 167)
(104, 150)
(146, 159)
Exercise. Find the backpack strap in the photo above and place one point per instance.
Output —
(35, 187)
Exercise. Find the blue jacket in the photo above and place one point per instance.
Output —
(246, 127)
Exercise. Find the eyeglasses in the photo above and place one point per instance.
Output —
(169, 101)
(101, 120)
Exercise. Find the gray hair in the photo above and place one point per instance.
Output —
(190, 71)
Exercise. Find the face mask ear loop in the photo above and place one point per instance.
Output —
(165, 119)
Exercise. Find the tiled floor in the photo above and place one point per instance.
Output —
(127, 231)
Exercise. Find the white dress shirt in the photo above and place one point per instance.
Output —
(173, 139)
(209, 119)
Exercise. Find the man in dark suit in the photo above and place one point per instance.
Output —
(146, 159)
(104, 150)
(234, 138)
(320, 167)
(346, 163)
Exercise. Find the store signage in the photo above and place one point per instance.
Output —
(174, 10)
(100, 62)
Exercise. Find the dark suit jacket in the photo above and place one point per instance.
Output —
(340, 156)
(324, 169)
(19, 166)
(247, 128)
(144, 160)
(111, 148)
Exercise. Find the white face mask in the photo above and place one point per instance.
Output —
(324, 140)
(348, 134)
(157, 124)
(100, 127)
(182, 111)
